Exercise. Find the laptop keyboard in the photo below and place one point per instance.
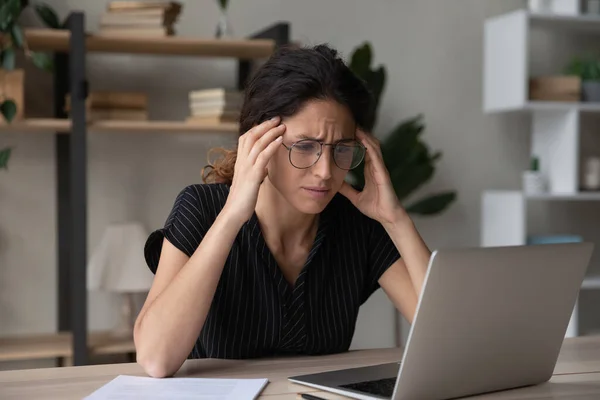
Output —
(381, 387)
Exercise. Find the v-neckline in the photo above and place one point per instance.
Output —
(286, 290)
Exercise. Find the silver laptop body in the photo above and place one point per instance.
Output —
(488, 319)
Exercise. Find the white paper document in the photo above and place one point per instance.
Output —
(126, 387)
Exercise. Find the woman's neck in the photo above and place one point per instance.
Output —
(279, 219)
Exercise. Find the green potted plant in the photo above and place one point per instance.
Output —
(588, 69)
(13, 40)
(407, 157)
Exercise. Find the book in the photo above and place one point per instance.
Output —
(124, 6)
(125, 18)
(116, 114)
(108, 20)
(216, 93)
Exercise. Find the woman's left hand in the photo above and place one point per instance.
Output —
(378, 199)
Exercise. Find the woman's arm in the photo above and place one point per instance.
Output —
(180, 298)
(414, 251)
(178, 302)
(403, 281)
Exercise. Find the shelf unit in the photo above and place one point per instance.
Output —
(555, 127)
(52, 125)
(70, 47)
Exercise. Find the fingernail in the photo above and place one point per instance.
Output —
(279, 138)
(274, 118)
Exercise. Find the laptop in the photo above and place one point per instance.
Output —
(488, 319)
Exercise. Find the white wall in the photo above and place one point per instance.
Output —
(432, 50)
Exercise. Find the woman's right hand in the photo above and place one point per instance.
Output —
(255, 149)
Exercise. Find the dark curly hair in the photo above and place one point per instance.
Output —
(291, 77)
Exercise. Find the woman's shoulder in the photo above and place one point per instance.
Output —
(207, 196)
(203, 201)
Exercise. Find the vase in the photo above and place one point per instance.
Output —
(591, 91)
(223, 26)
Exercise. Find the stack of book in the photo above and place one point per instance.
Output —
(215, 105)
(105, 105)
(140, 18)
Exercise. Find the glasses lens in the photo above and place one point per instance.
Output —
(348, 154)
(305, 153)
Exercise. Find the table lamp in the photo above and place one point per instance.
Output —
(118, 265)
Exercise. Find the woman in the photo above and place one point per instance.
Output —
(278, 257)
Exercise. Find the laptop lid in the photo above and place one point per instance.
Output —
(490, 319)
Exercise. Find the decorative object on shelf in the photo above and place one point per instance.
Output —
(406, 156)
(117, 265)
(216, 105)
(561, 7)
(533, 180)
(12, 81)
(4, 157)
(555, 88)
(553, 239)
(588, 69)
(591, 174)
(224, 29)
(138, 18)
(592, 7)
(113, 105)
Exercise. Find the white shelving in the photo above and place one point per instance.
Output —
(504, 216)
(555, 126)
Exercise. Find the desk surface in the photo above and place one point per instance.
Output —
(577, 374)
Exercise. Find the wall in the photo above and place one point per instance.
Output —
(432, 50)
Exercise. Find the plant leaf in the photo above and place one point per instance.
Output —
(431, 205)
(8, 109)
(375, 81)
(47, 15)
(407, 180)
(42, 60)
(9, 12)
(223, 4)
(8, 59)
(17, 35)
(4, 157)
(361, 60)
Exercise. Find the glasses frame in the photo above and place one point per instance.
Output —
(332, 145)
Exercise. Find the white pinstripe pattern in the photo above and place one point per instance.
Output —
(255, 311)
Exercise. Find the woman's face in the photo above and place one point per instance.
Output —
(310, 189)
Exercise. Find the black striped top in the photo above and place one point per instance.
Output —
(255, 311)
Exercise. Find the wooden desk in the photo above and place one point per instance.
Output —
(577, 375)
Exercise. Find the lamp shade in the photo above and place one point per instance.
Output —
(117, 264)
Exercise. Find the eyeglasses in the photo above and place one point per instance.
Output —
(347, 153)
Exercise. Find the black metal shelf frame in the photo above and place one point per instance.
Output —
(71, 173)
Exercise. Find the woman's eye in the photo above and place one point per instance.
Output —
(304, 147)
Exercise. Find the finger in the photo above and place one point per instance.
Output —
(349, 192)
(265, 141)
(263, 158)
(257, 131)
(373, 153)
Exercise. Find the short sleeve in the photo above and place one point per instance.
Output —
(382, 253)
(185, 227)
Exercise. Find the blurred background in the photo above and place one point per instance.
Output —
(487, 112)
